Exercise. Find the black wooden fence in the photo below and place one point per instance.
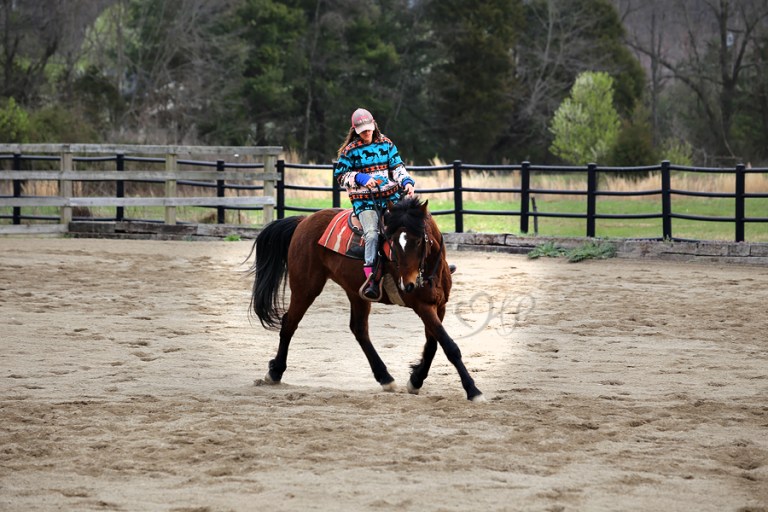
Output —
(591, 193)
(525, 169)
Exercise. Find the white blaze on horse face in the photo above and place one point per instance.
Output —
(407, 280)
(403, 242)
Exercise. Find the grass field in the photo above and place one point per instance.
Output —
(608, 228)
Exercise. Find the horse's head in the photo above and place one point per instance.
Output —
(406, 229)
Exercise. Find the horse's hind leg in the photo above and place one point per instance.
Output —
(358, 324)
(300, 303)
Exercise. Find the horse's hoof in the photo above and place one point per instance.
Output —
(412, 390)
(389, 388)
(266, 381)
(479, 399)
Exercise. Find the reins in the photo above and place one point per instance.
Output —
(382, 230)
(421, 279)
(431, 278)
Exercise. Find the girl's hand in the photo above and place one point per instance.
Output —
(409, 190)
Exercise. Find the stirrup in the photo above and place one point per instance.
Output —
(370, 290)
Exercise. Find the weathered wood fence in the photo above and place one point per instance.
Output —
(171, 175)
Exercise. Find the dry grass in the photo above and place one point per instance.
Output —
(690, 181)
(443, 179)
(694, 182)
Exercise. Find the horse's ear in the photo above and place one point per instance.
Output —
(424, 206)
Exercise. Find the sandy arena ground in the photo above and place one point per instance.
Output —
(127, 375)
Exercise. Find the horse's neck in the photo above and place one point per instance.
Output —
(435, 240)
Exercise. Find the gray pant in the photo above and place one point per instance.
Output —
(370, 221)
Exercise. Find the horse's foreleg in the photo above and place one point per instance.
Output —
(358, 324)
(420, 371)
(453, 353)
(434, 326)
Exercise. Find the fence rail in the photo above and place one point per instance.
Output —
(171, 176)
(275, 178)
(591, 193)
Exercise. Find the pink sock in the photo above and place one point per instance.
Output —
(368, 271)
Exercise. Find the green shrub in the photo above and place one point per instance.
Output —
(548, 249)
(59, 124)
(591, 250)
(587, 250)
(14, 122)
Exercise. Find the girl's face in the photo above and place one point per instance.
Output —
(366, 136)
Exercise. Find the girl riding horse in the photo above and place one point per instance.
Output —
(370, 168)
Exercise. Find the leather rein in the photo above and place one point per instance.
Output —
(421, 279)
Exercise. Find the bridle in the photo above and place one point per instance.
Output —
(421, 279)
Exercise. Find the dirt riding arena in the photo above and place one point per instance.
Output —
(128, 372)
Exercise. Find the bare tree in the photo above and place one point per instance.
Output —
(705, 45)
(176, 63)
(31, 36)
(36, 33)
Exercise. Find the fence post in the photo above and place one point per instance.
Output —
(17, 188)
(525, 195)
(281, 189)
(269, 188)
(170, 187)
(65, 186)
(740, 210)
(458, 198)
(666, 201)
(591, 198)
(120, 187)
(220, 211)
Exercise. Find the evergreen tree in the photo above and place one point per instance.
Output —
(471, 82)
(272, 30)
(586, 124)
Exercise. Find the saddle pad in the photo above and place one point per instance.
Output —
(344, 235)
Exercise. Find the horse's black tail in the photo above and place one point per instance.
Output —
(270, 268)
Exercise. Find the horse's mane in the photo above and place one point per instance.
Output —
(410, 214)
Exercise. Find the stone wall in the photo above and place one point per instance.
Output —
(725, 252)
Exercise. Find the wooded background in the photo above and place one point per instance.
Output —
(473, 80)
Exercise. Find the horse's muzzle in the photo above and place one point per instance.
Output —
(408, 284)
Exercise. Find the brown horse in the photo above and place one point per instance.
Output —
(417, 265)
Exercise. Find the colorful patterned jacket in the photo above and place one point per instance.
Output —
(381, 161)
